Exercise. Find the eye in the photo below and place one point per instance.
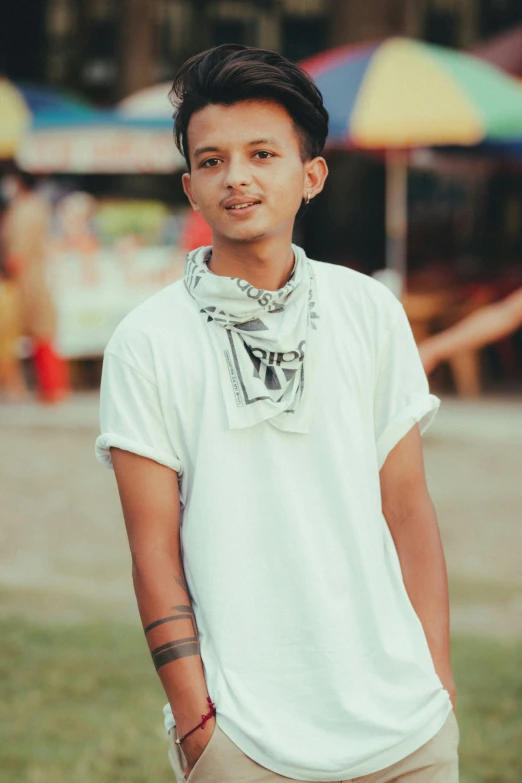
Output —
(210, 163)
(265, 155)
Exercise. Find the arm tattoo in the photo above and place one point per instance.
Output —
(188, 614)
(174, 650)
(179, 648)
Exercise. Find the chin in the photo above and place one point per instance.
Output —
(252, 237)
(246, 234)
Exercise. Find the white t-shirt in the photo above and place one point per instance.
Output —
(313, 654)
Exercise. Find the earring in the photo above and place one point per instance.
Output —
(307, 198)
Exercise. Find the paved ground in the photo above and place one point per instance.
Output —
(63, 549)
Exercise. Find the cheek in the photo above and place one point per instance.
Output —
(290, 178)
(287, 189)
(204, 189)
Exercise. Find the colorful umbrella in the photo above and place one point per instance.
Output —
(27, 107)
(150, 105)
(399, 94)
(503, 50)
(47, 104)
(14, 118)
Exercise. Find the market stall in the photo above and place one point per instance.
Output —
(110, 249)
(106, 256)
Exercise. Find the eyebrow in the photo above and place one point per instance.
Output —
(202, 150)
(270, 140)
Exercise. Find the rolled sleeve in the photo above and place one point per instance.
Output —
(402, 395)
(130, 416)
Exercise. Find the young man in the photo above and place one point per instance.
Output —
(263, 417)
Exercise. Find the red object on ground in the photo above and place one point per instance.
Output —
(195, 233)
(52, 373)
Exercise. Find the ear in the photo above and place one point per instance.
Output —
(316, 171)
(187, 187)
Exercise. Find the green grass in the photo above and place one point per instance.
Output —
(488, 593)
(488, 676)
(82, 704)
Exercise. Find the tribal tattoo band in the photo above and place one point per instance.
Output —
(179, 648)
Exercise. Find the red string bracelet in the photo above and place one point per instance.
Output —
(203, 721)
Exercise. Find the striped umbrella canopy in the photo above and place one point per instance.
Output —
(15, 117)
(399, 94)
(49, 106)
(402, 93)
(25, 107)
(503, 50)
(150, 105)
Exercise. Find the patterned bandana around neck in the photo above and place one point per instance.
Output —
(261, 338)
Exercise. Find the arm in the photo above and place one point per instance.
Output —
(410, 515)
(150, 501)
(485, 326)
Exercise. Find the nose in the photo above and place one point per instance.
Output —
(238, 173)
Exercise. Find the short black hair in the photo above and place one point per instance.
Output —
(231, 73)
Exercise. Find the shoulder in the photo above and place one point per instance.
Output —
(160, 320)
(366, 297)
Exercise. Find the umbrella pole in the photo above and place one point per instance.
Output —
(396, 213)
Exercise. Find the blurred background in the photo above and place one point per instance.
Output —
(424, 192)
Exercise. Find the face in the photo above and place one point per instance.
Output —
(247, 176)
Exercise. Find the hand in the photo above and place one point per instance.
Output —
(445, 674)
(449, 685)
(194, 745)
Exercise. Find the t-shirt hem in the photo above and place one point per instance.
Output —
(168, 721)
(375, 764)
(102, 450)
(422, 410)
(406, 748)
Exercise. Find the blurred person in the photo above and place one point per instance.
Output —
(75, 234)
(25, 237)
(263, 417)
(484, 326)
(74, 215)
(13, 387)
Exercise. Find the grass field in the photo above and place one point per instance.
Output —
(82, 704)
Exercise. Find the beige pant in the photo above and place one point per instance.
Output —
(223, 762)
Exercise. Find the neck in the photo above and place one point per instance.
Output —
(265, 264)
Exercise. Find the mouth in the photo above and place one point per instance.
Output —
(243, 207)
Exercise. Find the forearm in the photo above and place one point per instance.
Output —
(171, 632)
(423, 566)
(487, 325)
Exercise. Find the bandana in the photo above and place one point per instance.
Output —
(264, 341)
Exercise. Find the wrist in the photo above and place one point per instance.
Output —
(193, 746)
(183, 727)
(189, 727)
